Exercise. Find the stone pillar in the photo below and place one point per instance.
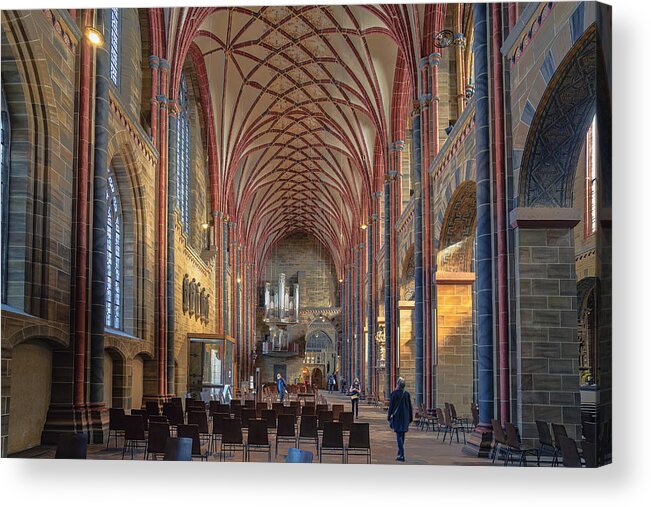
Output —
(454, 371)
(388, 321)
(350, 341)
(97, 408)
(484, 221)
(370, 312)
(359, 331)
(547, 364)
(419, 317)
(171, 206)
(5, 382)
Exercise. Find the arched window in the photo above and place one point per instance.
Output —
(591, 179)
(4, 160)
(113, 255)
(115, 46)
(183, 157)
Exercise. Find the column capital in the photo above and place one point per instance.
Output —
(154, 62)
(423, 62)
(164, 65)
(435, 58)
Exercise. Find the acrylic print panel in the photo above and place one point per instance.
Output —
(402, 209)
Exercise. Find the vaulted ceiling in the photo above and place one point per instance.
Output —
(301, 98)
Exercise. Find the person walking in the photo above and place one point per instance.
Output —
(354, 397)
(400, 415)
(282, 387)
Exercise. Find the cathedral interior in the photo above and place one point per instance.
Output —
(197, 199)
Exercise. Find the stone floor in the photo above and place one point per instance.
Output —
(421, 447)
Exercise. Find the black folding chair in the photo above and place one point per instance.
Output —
(232, 439)
(308, 431)
(134, 434)
(157, 439)
(116, 424)
(286, 430)
(359, 441)
(192, 431)
(332, 442)
(178, 449)
(515, 448)
(257, 439)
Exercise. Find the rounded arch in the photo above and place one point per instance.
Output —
(54, 336)
(560, 124)
(116, 394)
(458, 230)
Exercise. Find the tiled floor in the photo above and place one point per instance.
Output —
(421, 447)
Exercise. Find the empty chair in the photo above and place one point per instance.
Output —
(463, 421)
(174, 414)
(307, 411)
(217, 429)
(286, 430)
(258, 438)
(72, 446)
(158, 419)
(346, 419)
(178, 401)
(289, 411)
(214, 407)
(499, 438)
(452, 427)
(545, 441)
(321, 407)
(323, 417)
(116, 424)
(249, 404)
(332, 442)
(201, 420)
(359, 441)
(236, 410)
(247, 415)
(192, 431)
(308, 431)
(236, 402)
(134, 434)
(278, 408)
(336, 410)
(298, 456)
(514, 447)
(152, 408)
(142, 413)
(269, 416)
(178, 449)
(559, 432)
(157, 438)
(232, 439)
(569, 452)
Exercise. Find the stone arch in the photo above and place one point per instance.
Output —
(56, 337)
(35, 145)
(126, 168)
(562, 119)
(458, 230)
(588, 292)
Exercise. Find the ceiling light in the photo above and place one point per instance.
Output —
(363, 227)
(204, 226)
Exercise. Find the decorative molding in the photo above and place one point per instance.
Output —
(64, 27)
(521, 25)
(454, 277)
(462, 129)
(136, 132)
(544, 218)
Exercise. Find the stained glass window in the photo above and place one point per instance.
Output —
(591, 179)
(115, 46)
(183, 157)
(4, 160)
(113, 255)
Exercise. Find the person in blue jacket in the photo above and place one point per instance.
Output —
(280, 382)
(400, 415)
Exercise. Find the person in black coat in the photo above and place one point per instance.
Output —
(400, 415)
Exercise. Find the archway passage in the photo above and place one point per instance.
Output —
(317, 378)
(454, 299)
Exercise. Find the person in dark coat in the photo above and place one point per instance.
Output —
(281, 385)
(400, 415)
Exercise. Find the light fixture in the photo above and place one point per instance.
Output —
(341, 280)
(94, 36)
(239, 280)
(363, 227)
(204, 226)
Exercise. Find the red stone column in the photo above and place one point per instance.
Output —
(81, 252)
(162, 227)
(500, 198)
